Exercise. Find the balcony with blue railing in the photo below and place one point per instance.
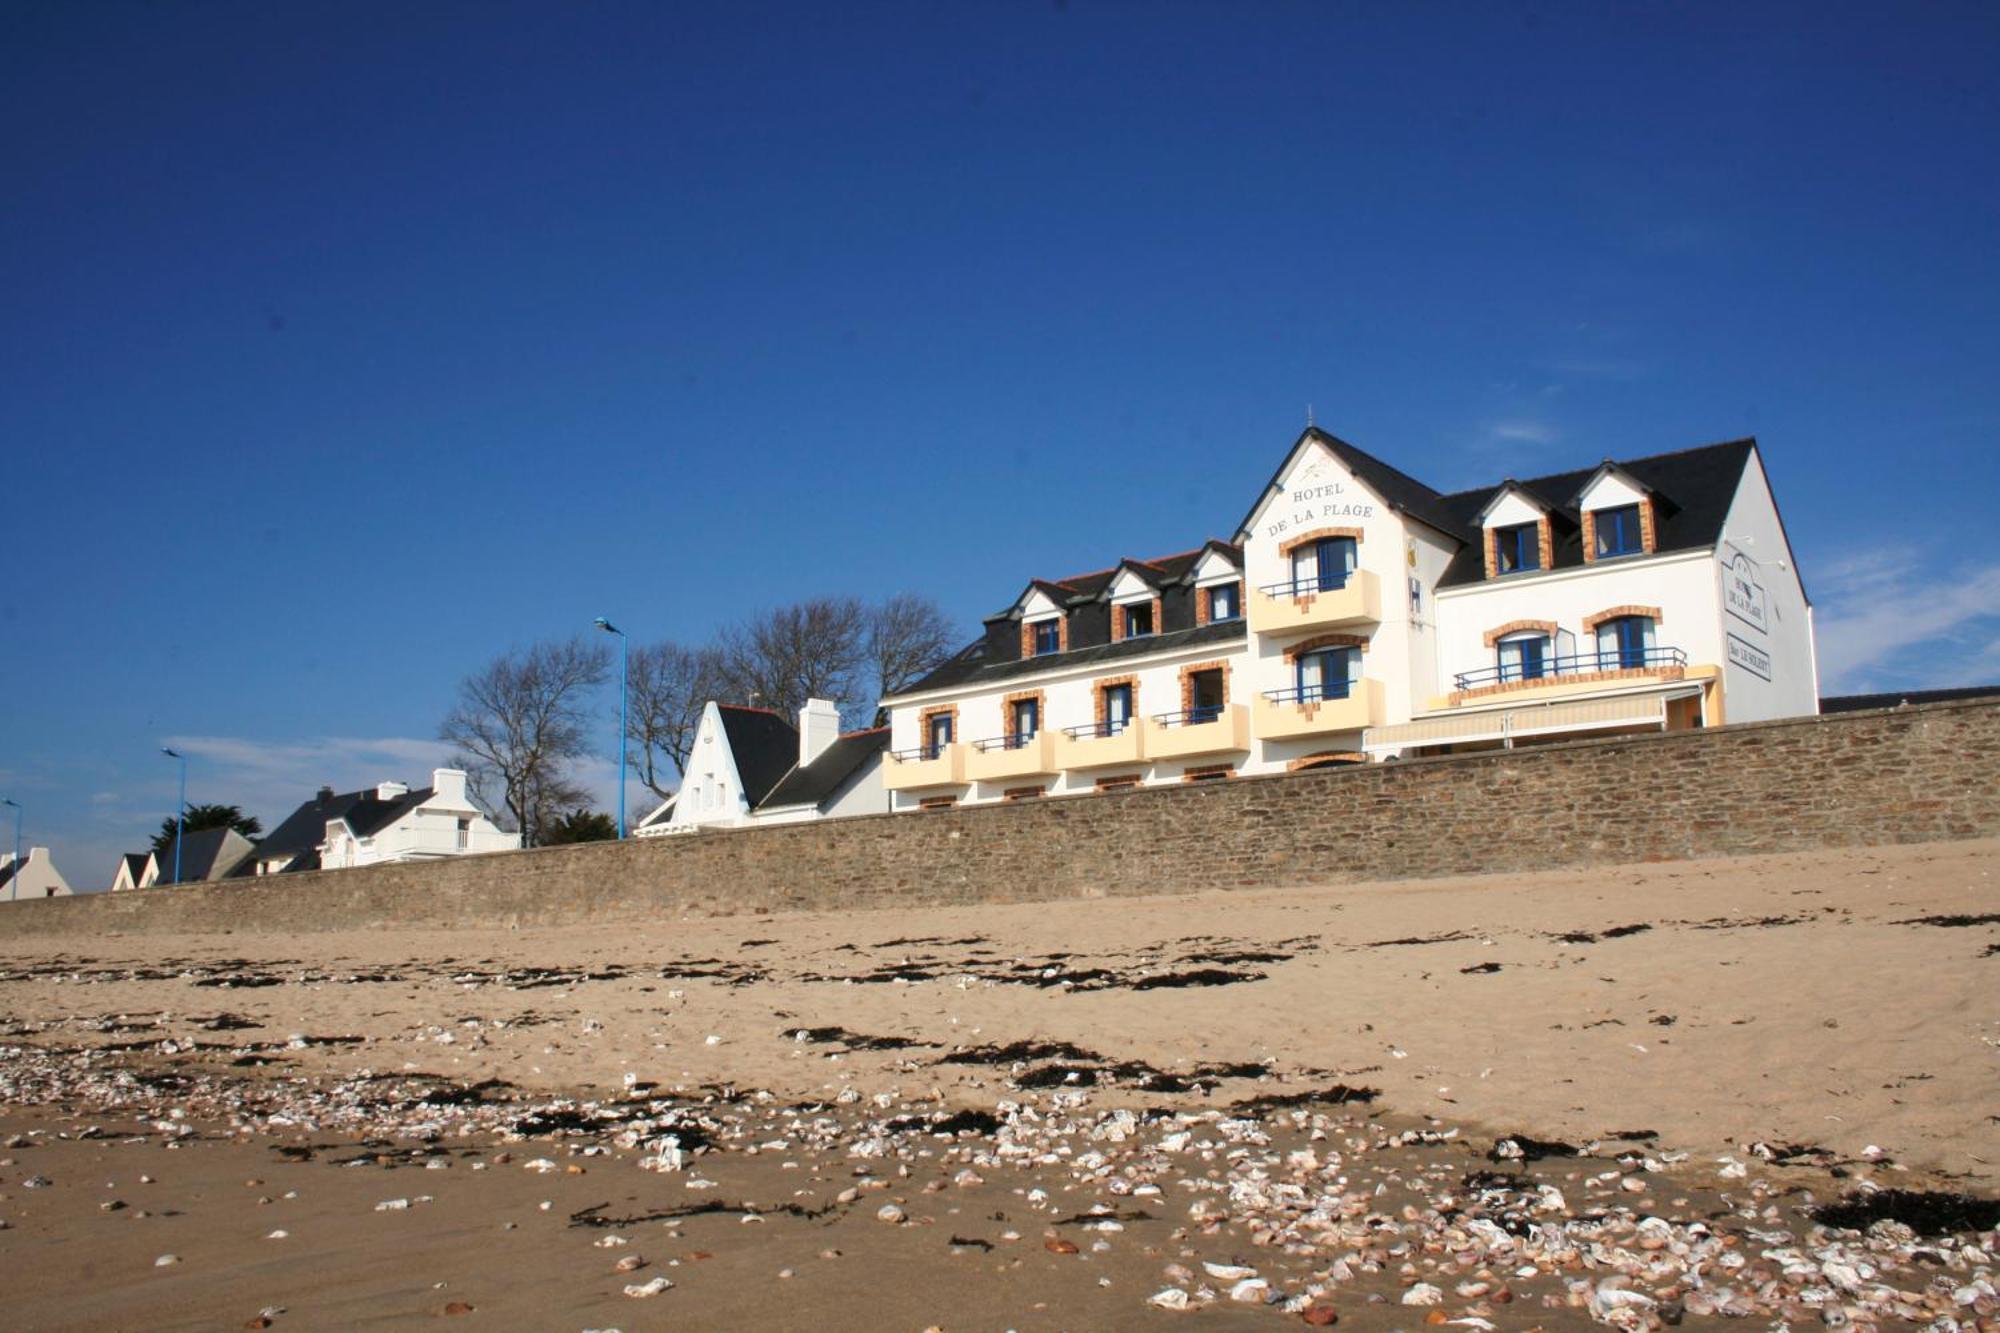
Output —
(938, 764)
(1099, 744)
(1013, 754)
(1351, 597)
(1575, 668)
(1206, 729)
(1312, 710)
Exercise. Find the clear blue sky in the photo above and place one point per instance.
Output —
(343, 347)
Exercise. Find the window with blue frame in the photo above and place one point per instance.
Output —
(1625, 643)
(1225, 601)
(1524, 657)
(937, 735)
(1206, 695)
(1325, 673)
(1617, 531)
(1322, 565)
(1138, 620)
(1517, 549)
(1027, 720)
(1117, 708)
(1048, 637)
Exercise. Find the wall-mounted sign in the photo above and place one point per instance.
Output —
(1743, 592)
(1750, 657)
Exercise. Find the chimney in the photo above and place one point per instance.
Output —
(448, 788)
(325, 796)
(819, 726)
(389, 791)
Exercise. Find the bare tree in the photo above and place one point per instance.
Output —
(519, 726)
(907, 636)
(815, 649)
(670, 686)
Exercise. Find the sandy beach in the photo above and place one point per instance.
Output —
(1067, 1110)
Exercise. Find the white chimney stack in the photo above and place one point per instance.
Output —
(448, 788)
(819, 727)
(389, 791)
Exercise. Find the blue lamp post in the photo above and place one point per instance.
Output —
(14, 880)
(624, 696)
(180, 810)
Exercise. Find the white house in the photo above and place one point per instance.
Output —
(35, 877)
(131, 870)
(387, 822)
(1357, 615)
(751, 766)
(205, 855)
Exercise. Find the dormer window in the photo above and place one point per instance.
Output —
(1225, 601)
(1047, 637)
(1138, 619)
(1517, 549)
(1618, 531)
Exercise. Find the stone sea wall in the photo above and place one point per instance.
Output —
(1859, 779)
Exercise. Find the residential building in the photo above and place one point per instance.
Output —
(751, 766)
(386, 822)
(131, 869)
(35, 877)
(205, 855)
(1357, 614)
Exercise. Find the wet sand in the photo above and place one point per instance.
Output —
(1754, 1037)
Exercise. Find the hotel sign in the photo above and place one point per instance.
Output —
(1750, 657)
(1743, 593)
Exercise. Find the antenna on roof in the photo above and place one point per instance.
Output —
(1309, 416)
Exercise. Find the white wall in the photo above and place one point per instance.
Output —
(427, 830)
(1770, 622)
(38, 877)
(711, 792)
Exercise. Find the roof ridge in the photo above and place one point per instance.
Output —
(752, 708)
(865, 731)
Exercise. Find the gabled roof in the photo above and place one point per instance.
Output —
(824, 776)
(1505, 489)
(971, 668)
(1606, 467)
(764, 745)
(211, 853)
(1159, 572)
(1398, 489)
(365, 813)
(135, 865)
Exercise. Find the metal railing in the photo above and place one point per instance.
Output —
(919, 754)
(1013, 740)
(1303, 587)
(1576, 664)
(1191, 717)
(1091, 729)
(1311, 694)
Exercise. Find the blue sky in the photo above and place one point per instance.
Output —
(344, 347)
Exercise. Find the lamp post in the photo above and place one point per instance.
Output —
(180, 810)
(14, 880)
(624, 697)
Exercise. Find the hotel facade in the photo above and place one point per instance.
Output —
(1359, 616)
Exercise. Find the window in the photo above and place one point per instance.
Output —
(1122, 782)
(1048, 637)
(1138, 620)
(1117, 708)
(1326, 673)
(1322, 565)
(1624, 643)
(937, 735)
(937, 802)
(1207, 773)
(1518, 549)
(464, 834)
(1026, 720)
(1225, 601)
(1524, 657)
(1617, 531)
(1205, 696)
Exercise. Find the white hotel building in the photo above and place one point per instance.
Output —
(1358, 615)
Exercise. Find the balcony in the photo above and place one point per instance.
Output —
(1100, 745)
(1015, 755)
(1200, 731)
(925, 766)
(1301, 604)
(1313, 711)
(1562, 675)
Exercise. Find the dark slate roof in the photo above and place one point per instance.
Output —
(1159, 572)
(199, 853)
(825, 775)
(1398, 489)
(135, 864)
(305, 828)
(970, 667)
(7, 873)
(764, 745)
(1695, 488)
(1854, 703)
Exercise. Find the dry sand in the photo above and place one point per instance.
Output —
(1841, 1010)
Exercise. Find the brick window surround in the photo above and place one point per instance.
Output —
(1649, 537)
(924, 723)
(1097, 689)
(1318, 641)
(1188, 674)
(1025, 793)
(1118, 618)
(1028, 634)
(1545, 543)
(1652, 613)
(1122, 782)
(1286, 547)
(1209, 772)
(1201, 600)
(1327, 757)
(1499, 632)
(1007, 711)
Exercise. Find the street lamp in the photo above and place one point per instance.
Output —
(14, 880)
(624, 696)
(180, 810)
